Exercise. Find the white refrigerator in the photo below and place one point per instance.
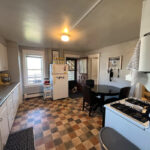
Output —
(59, 80)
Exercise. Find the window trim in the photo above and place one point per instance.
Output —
(37, 53)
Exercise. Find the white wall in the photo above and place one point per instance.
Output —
(125, 50)
(72, 53)
(2, 40)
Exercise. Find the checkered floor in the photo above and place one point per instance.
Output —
(59, 124)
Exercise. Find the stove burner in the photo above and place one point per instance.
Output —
(130, 111)
(137, 102)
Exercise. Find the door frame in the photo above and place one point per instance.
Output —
(96, 55)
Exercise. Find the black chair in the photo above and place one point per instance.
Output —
(124, 93)
(90, 83)
(90, 101)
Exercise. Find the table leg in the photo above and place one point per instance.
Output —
(103, 121)
(103, 110)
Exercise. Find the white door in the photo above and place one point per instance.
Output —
(60, 86)
(93, 67)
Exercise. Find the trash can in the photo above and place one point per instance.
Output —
(112, 140)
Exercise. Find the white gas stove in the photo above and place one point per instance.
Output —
(127, 117)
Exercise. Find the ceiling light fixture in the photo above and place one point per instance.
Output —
(65, 37)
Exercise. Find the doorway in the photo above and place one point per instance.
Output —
(72, 78)
(72, 69)
(93, 67)
(82, 73)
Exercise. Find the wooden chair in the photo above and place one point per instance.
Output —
(90, 101)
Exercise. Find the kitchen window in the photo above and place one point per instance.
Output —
(33, 68)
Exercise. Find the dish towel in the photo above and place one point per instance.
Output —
(133, 66)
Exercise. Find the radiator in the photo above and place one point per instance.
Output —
(33, 91)
(31, 95)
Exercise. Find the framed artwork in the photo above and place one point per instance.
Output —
(55, 54)
(115, 63)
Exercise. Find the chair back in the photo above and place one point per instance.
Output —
(124, 92)
(87, 95)
(90, 83)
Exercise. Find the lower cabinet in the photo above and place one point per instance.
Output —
(15, 95)
(7, 114)
(4, 126)
(10, 109)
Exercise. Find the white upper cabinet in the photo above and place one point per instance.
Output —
(145, 20)
(3, 58)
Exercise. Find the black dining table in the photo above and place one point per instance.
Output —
(105, 90)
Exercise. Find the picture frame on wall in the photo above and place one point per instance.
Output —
(115, 63)
(55, 55)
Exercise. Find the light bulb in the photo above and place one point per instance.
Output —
(65, 37)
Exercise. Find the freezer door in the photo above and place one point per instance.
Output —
(59, 68)
(60, 86)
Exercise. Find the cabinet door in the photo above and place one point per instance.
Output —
(15, 94)
(3, 58)
(10, 110)
(4, 128)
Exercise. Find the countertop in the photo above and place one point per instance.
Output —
(5, 91)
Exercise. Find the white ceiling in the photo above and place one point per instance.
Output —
(40, 22)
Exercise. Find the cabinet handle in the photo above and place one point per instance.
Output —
(1, 119)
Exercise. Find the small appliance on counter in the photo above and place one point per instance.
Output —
(4, 78)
